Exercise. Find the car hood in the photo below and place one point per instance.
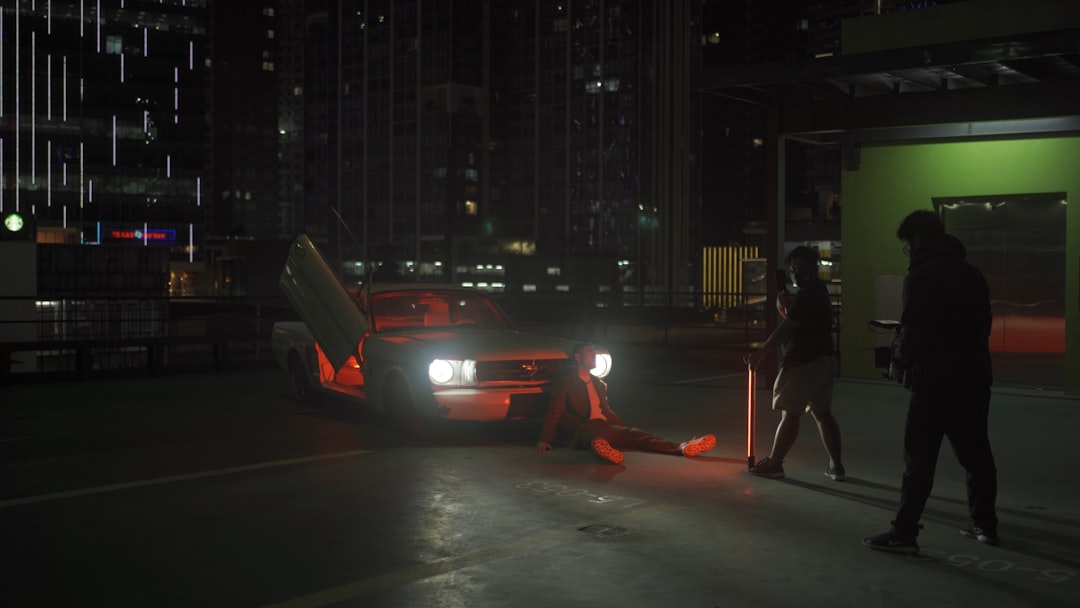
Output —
(482, 344)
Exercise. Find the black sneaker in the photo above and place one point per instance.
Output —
(892, 542)
(768, 468)
(836, 473)
(985, 536)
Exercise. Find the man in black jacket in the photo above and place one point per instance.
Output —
(944, 358)
(578, 410)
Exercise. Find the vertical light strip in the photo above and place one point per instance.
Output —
(90, 191)
(48, 175)
(48, 17)
(33, 107)
(48, 86)
(114, 140)
(198, 192)
(176, 95)
(1, 173)
(191, 242)
(82, 18)
(146, 121)
(121, 67)
(64, 224)
(145, 241)
(63, 88)
(146, 42)
(2, 63)
(168, 165)
(98, 28)
(18, 78)
(82, 173)
(191, 54)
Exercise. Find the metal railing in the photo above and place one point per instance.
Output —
(81, 338)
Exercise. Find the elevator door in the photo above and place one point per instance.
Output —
(1018, 242)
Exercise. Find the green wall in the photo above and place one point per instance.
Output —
(896, 179)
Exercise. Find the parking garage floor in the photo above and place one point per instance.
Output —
(218, 490)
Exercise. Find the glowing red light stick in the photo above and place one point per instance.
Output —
(751, 409)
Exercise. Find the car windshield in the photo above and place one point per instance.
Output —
(415, 309)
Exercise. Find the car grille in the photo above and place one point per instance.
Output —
(520, 370)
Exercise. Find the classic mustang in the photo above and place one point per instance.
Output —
(416, 351)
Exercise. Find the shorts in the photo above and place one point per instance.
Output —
(807, 387)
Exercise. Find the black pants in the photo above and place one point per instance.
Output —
(621, 437)
(959, 413)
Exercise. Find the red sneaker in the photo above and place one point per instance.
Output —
(698, 445)
(602, 449)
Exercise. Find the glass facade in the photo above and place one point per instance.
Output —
(485, 128)
(103, 104)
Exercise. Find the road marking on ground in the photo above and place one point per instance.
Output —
(708, 378)
(529, 544)
(174, 478)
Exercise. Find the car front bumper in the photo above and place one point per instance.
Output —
(489, 404)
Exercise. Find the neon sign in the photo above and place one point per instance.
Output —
(156, 235)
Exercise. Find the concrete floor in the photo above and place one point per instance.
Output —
(231, 495)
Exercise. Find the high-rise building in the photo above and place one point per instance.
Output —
(103, 108)
(244, 124)
(438, 130)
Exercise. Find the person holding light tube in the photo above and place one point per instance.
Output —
(808, 366)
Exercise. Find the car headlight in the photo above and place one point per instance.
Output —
(603, 365)
(440, 371)
(452, 372)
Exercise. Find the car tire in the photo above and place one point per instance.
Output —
(400, 408)
(299, 381)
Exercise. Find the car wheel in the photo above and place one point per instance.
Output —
(400, 409)
(299, 381)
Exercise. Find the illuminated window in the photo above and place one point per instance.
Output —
(270, 34)
(528, 288)
(470, 207)
(554, 271)
(563, 288)
(114, 45)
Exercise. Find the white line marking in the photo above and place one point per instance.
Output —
(173, 478)
(707, 378)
